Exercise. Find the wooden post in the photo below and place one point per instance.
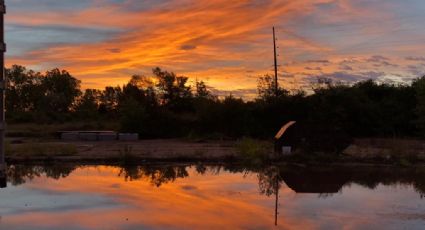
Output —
(2, 97)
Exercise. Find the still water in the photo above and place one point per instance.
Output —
(211, 197)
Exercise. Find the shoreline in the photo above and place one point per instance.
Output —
(216, 161)
(186, 151)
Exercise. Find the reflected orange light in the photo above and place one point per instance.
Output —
(228, 201)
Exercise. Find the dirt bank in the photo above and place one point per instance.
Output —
(362, 151)
(379, 148)
(149, 150)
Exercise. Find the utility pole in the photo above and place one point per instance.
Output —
(2, 97)
(276, 87)
(276, 190)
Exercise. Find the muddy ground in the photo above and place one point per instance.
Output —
(384, 151)
(162, 149)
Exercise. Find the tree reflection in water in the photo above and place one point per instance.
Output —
(157, 175)
(20, 174)
(269, 182)
(319, 180)
(324, 181)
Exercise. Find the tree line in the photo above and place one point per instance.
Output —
(167, 106)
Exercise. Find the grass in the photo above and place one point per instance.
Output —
(401, 152)
(312, 157)
(126, 155)
(254, 151)
(36, 149)
(199, 153)
(197, 137)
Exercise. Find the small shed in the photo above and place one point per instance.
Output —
(283, 143)
(324, 137)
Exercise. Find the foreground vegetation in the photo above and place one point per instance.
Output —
(166, 106)
(32, 150)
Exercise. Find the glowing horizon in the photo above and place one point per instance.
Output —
(226, 44)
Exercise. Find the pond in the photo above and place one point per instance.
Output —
(211, 197)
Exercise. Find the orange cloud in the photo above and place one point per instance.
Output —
(226, 43)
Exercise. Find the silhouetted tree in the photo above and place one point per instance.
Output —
(202, 91)
(60, 91)
(140, 89)
(109, 100)
(173, 91)
(23, 91)
(164, 106)
(157, 175)
(88, 105)
(266, 88)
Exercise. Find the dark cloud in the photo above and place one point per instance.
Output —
(189, 187)
(318, 61)
(286, 75)
(326, 5)
(115, 50)
(188, 47)
(386, 63)
(416, 70)
(372, 74)
(76, 5)
(349, 61)
(238, 93)
(24, 38)
(44, 5)
(304, 73)
(377, 58)
(410, 58)
(345, 67)
(313, 68)
(342, 76)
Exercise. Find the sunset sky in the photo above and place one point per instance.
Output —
(227, 44)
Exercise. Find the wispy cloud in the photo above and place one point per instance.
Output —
(223, 42)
